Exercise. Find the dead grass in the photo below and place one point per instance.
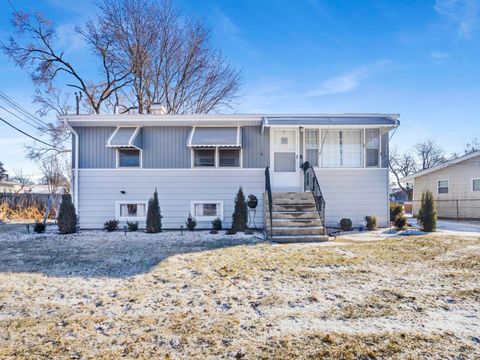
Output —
(371, 300)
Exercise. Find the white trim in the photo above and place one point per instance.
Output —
(192, 132)
(117, 158)
(111, 136)
(118, 203)
(438, 186)
(441, 166)
(472, 184)
(216, 158)
(130, 141)
(132, 138)
(206, 218)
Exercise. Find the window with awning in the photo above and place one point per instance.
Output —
(213, 137)
(125, 137)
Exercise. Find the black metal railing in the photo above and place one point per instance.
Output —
(311, 184)
(268, 190)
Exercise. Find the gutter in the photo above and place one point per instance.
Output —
(75, 164)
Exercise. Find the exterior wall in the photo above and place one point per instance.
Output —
(99, 190)
(354, 194)
(459, 178)
(164, 147)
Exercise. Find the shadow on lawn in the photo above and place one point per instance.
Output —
(94, 254)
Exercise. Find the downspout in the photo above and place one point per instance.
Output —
(74, 165)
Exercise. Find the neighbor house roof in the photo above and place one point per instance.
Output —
(441, 166)
(328, 120)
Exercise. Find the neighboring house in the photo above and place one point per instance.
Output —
(398, 195)
(9, 187)
(198, 162)
(455, 185)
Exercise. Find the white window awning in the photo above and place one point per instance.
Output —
(215, 137)
(125, 137)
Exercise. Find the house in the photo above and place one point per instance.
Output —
(198, 162)
(455, 185)
(9, 187)
(397, 195)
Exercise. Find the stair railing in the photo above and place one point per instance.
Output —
(311, 184)
(268, 190)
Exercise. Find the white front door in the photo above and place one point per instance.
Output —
(284, 159)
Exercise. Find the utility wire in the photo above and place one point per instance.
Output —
(20, 118)
(30, 136)
(19, 108)
(13, 7)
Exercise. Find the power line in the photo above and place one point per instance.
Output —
(30, 136)
(13, 7)
(18, 117)
(19, 108)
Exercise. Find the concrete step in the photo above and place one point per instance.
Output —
(292, 196)
(316, 230)
(296, 222)
(294, 207)
(299, 239)
(293, 215)
(293, 202)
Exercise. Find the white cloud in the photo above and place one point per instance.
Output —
(439, 55)
(462, 13)
(69, 39)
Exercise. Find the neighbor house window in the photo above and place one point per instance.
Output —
(131, 210)
(204, 157)
(311, 147)
(228, 157)
(443, 186)
(342, 148)
(207, 210)
(372, 147)
(216, 157)
(128, 158)
(476, 184)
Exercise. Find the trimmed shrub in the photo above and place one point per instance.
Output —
(67, 218)
(230, 232)
(240, 213)
(154, 215)
(427, 214)
(132, 226)
(191, 222)
(217, 224)
(111, 225)
(39, 227)
(371, 222)
(396, 210)
(345, 224)
(400, 222)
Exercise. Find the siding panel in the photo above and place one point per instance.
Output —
(256, 147)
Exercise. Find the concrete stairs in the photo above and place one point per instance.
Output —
(294, 218)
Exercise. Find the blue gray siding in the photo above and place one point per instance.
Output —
(166, 147)
(256, 147)
(93, 153)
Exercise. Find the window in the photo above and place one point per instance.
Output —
(204, 157)
(128, 158)
(372, 147)
(131, 210)
(209, 157)
(207, 210)
(476, 184)
(342, 148)
(228, 157)
(311, 147)
(443, 186)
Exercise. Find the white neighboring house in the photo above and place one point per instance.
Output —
(455, 185)
(198, 162)
(9, 187)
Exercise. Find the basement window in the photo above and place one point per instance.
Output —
(131, 210)
(207, 210)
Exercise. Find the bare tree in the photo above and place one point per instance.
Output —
(21, 178)
(402, 165)
(429, 154)
(472, 146)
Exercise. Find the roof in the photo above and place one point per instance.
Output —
(441, 166)
(328, 120)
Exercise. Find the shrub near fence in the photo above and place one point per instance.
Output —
(27, 206)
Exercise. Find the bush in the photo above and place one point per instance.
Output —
(345, 224)
(240, 213)
(191, 222)
(39, 227)
(67, 218)
(132, 226)
(230, 232)
(154, 216)
(217, 224)
(111, 225)
(396, 210)
(371, 223)
(400, 222)
(427, 214)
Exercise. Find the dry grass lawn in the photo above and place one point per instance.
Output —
(410, 297)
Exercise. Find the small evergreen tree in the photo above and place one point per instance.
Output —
(427, 214)
(191, 222)
(67, 218)
(154, 216)
(240, 213)
(3, 172)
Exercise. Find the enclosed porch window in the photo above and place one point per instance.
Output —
(342, 148)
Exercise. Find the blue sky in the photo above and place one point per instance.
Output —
(417, 58)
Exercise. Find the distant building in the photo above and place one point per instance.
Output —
(9, 187)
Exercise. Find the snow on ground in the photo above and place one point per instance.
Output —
(197, 295)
